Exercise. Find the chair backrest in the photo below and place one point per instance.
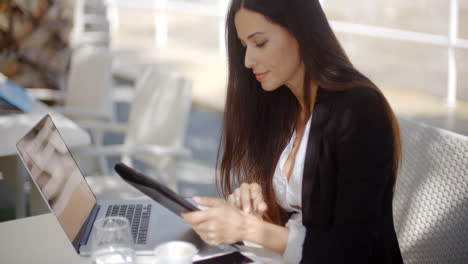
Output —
(431, 197)
(159, 112)
(90, 24)
(90, 82)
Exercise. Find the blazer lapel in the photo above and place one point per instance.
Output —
(310, 183)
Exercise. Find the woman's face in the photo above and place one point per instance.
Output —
(270, 51)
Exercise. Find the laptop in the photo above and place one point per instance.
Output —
(69, 197)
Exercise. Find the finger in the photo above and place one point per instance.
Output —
(237, 195)
(245, 198)
(231, 199)
(211, 242)
(208, 233)
(259, 204)
(195, 218)
(208, 201)
(255, 190)
(262, 207)
(204, 236)
(256, 195)
(188, 218)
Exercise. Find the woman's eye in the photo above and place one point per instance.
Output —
(261, 44)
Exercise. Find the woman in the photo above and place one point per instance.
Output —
(312, 142)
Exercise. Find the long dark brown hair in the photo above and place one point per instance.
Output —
(257, 124)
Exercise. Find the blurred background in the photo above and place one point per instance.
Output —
(409, 48)
(415, 51)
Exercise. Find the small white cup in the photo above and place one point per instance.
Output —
(175, 252)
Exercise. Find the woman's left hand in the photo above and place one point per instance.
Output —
(221, 223)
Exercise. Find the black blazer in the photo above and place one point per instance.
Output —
(347, 184)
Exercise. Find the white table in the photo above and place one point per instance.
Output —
(13, 127)
(40, 239)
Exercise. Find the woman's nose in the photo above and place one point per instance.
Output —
(249, 60)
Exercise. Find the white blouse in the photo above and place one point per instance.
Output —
(289, 195)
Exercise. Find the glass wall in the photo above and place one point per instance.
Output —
(463, 19)
(194, 32)
(404, 64)
(427, 16)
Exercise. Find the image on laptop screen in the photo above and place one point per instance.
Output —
(56, 174)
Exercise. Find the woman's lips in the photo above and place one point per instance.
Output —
(260, 76)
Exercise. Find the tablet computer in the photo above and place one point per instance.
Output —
(155, 190)
(232, 258)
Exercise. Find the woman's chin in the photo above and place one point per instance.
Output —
(268, 87)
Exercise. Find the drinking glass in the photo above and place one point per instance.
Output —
(112, 242)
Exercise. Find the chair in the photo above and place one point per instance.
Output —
(156, 128)
(89, 85)
(90, 81)
(91, 25)
(88, 92)
(431, 198)
(86, 95)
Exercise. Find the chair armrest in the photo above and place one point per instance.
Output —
(95, 38)
(129, 73)
(45, 94)
(74, 112)
(107, 150)
(102, 126)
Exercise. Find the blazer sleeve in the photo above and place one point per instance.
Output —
(362, 174)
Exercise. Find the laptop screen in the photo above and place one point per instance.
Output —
(57, 175)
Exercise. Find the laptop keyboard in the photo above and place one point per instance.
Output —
(138, 217)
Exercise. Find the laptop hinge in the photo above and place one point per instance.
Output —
(86, 232)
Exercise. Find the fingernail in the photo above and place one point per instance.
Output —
(262, 207)
(254, 195)
(196, 198)
(247, 210)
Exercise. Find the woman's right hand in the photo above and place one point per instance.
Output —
(249, 198)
